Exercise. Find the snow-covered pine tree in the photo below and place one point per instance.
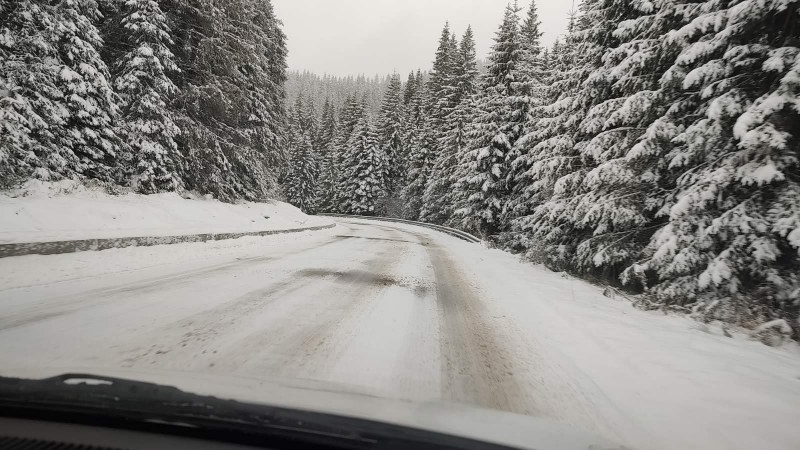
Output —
(441, 89)
(88, 96)
(731, 244)
(262, 115)
(199, 51)
(57, 109)
(233, 119)
(83, 85)
(531, 87)
(327, 158)
(309, 122)
(140, 78)
(627, 187)
(390, 125)
(440, 193)
(327, 125)
(301, 180)
(364, 164)
(328, 172)
(531, 67)
(291, 137)
(420, 165)
(351, 113)
(31, 108)
(410, 88)
(547, 149)
(531, 36)
(440, 81)
(497, 124)
(421, 143)
(465, 78)
(552, 223)
(449, 94)
(609, 220)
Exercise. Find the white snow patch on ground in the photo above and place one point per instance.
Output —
(65, 210)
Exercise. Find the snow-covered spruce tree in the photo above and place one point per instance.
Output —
(531, 87)
(546, 149)
(301, 181)
(232, 61)
(615, 206)
(140, 78)
(30, 105)
(421, 143)
(441, 90)
(629, 188)
(410, 88)
(440, 83)
(442, 96)
(199, 49)
(327, 125)
(530, 37)
(454, 143)
(553, 225)
(731, 244)
(497, 124)
(327, 158)
(352, 112)
(327, 181)
(364, 163)
(304, 117)
(308, 121)
(270, 123)
(88, 96)
(57, 106)
(390, 125)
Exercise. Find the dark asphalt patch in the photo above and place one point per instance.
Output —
(368, 278)
(374, 238)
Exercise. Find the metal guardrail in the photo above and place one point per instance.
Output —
(451, 231)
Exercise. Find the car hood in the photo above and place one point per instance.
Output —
(504, 428)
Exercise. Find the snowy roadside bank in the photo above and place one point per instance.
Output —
(65, 216)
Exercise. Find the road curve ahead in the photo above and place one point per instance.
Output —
(374, 307)
(396, 311)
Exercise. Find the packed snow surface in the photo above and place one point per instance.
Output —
(56, 211)
(402, 312)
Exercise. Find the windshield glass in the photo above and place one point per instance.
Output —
(507, 216)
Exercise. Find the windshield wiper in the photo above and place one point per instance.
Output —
(115, 402)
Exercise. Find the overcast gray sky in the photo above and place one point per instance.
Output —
(348, 37)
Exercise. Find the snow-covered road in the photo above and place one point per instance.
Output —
(312, 308)
(404, 312)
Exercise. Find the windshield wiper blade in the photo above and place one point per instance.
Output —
(112, 401)
(138, 401)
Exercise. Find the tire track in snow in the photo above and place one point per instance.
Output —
(476, 367)
(193, 336)
(72, 303)
(304, 347)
